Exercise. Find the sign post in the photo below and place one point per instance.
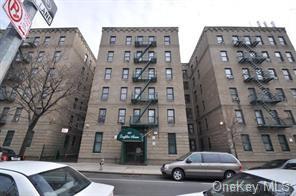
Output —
(21, 16)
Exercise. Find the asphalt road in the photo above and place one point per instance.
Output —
(148, 185)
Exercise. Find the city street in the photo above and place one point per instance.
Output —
(148, 185)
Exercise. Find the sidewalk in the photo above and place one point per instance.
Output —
(116, 168)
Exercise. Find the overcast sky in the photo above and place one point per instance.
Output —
(189, 15)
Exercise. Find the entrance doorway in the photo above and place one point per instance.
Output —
(134, 152)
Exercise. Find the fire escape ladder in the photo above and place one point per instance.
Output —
(146, 49)
(143, 112)
(142, 71)
(142, 91)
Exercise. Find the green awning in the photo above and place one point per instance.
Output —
(130, 135)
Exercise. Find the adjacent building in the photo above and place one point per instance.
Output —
(242, 80)
(136, 113)
(67, 47)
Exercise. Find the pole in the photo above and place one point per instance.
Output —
(11, 41)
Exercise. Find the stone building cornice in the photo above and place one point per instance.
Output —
(140, 29)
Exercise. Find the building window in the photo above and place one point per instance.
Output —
(121, 116)
(282, 40)
(186, 85)
(167, 40)
(36, 41)
(167, 55)
(266, 56)
(219, 39)
(290, 116)
(290, 57)
(189, 113)
(168, 74)
(128, 40)
(239, 116)
(170, 93)
(286, 74)
(151, 39)
(246, 73)
(247, 40)
(127, 56)
(46, 40)
(235, 39)
(4, 114)
(271, 40)
(172, 143)
(62, 40)
(259, 40)
(283, 142)
(110, 56)
(102, 115)
(123, 93)
(192, 145)
(8, 138)
(105, 94)
(57, 56)
(280, 94)
(171, 116)
(272, 73)
(267, 142)
(40, 56)
(85, 58)
(187, 99)
(203, 105)
(17, 114)
(278, 55)
(137, 91)
(259, 117)
(246, 142)
(151, 93)
(228, 73)
(151, 116)
(223, 56)
(233, 94)
(185, 74)
(125, 73)
(112, 39)
(293, 92)
(108, 72)
(151, 73)
(98, 142)
(190, 129)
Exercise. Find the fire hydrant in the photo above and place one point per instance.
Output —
(101, 164)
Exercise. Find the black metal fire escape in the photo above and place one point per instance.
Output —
(265, 99)
(144, 97)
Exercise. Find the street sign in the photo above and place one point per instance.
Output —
(18, 17)
(47, 8)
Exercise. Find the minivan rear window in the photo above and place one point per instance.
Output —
(227, 158)
(211, 158)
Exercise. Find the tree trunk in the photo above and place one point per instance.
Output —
(31, 126)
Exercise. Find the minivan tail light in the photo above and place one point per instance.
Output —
(4, 157)
(241, 167)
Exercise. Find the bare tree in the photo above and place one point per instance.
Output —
(39, 87)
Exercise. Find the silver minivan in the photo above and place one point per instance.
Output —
(202, 164)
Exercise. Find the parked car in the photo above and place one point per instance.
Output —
(7, 154)
(36, 178)
(275, 182)
(278, 163)
(202, 164)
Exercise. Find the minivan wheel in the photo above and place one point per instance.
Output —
(228, 174)
(178, 174)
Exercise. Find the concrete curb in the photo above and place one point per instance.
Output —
(123, 173)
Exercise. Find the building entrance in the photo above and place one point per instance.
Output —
(134, 152)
